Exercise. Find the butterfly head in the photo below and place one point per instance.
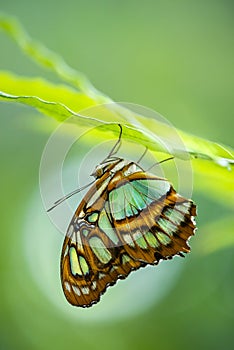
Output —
(106, 165)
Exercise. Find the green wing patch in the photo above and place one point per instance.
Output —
(131, 198)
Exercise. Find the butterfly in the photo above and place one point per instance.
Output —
(128, 219)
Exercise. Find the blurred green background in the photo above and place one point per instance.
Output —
(177, 58)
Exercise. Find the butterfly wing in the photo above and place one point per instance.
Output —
(125, 226)
(152, 219)
(93, 256)
(88, 267)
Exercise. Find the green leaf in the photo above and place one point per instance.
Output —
(32, 90)
(44, 90)
(213, 163)
(152, 133)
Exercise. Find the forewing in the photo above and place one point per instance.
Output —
(92, 260)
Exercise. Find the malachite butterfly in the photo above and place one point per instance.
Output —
(128, 219)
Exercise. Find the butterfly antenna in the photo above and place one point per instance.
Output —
(142, 156)
(117, 145)
(61, 200)
(161, 161)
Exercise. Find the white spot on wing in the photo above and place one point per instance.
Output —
(94, 285)
(76, 290)
(66, 251)
(193, 220)
(81, 214)
(101, 275)
(73, 239)
(67, 286)
(85, 290)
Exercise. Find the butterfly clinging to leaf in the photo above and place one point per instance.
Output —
(129, 218)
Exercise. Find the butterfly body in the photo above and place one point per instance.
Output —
(127, 219)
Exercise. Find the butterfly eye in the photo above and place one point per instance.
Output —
(98, 172)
